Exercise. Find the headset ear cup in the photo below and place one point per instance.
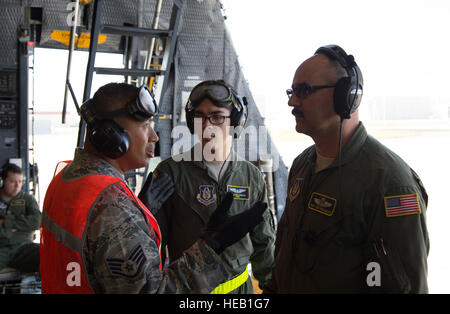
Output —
(109, 138)
(235, 118)
(356, 91)
(341, 95)
(238, 120)
(242, 122)
(345, 102)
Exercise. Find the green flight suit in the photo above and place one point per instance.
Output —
(335, 228)
(22, 218)
(183, 216)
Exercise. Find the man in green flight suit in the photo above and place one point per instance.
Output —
(203, 176)
(354, 220)
(20, 217)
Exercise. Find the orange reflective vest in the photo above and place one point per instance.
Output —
(66, 208)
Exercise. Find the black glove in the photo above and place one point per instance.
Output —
(155, 191)
(223, 230)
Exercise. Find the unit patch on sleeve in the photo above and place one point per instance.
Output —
(295, 189)
(322, 204)
(401, 205)
(206, 196)
(239, 192)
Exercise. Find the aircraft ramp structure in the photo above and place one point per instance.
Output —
(202, 50)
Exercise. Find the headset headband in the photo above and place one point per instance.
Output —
(348, 90)
(335, 52)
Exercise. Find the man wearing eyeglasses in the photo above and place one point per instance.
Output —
(215, 113)
(98, 237)
(354, 220)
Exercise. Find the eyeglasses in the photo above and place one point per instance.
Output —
(303, 90)
(142, 108)
(214, 119)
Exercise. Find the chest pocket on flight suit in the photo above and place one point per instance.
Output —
(310, 238)
(322, 243)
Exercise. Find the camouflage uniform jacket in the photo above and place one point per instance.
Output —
(116, 227)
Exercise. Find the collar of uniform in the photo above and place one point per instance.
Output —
(200, 163)
(352, 147)
(7, 200)
(85, 163)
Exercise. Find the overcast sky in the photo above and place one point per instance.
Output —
(401, 46)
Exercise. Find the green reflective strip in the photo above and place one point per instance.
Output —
(61, 235)
(232, 284)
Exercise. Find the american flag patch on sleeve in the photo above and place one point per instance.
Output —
(400, 205)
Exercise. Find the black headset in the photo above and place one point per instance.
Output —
(238, 115)
(348, 90)
(107, 136)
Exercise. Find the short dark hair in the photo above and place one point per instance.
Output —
(9, 167)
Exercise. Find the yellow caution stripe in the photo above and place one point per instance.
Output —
(232, 284)
(82, 42)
